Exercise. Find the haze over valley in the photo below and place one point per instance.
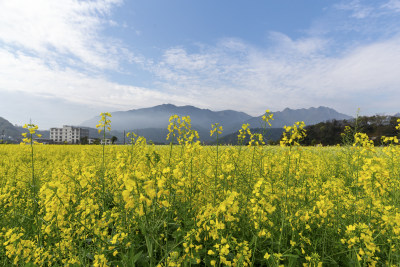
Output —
(152, 122)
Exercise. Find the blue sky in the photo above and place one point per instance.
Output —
(62, 62)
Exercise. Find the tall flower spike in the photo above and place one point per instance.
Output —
(28, 139)
(215, 128)
(268, 116)
(104, 122)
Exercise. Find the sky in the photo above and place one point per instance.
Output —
(63, 62)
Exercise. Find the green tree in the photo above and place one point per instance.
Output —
(96, 141)
(84, 140)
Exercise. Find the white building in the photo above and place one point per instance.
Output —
(91, 141)
(69, 134)
(106, 141)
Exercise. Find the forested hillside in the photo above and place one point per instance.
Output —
(329, 133)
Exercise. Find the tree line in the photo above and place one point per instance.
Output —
(331, 132)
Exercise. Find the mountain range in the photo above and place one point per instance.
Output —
(231, 120)
(152, 122)
(156, 119)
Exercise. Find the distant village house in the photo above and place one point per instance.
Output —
(97, 141)
(68, 134)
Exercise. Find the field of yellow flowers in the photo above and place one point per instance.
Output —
(191, 205)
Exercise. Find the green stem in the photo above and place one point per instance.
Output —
(216, 173)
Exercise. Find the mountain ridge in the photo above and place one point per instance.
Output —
(310, 116)
(157, 117)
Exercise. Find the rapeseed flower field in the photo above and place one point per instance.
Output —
(186, 204)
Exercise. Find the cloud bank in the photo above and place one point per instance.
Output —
(59, 50)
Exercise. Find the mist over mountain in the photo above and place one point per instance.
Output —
(158, 117)
(310, 116)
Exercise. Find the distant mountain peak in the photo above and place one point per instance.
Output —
(310, 108)
(312, 115)
(158, 117)
(168, 105)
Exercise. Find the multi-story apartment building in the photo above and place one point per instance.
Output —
(69, 134)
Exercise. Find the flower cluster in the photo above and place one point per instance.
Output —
(293, 134)
(28, 137)
(104, 122)
(216, 128)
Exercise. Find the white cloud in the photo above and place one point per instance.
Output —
(61, 30)
(393, 5)
(181, 60)
(294, 73)
(369, 9)
(358, 10)
(33, 76)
